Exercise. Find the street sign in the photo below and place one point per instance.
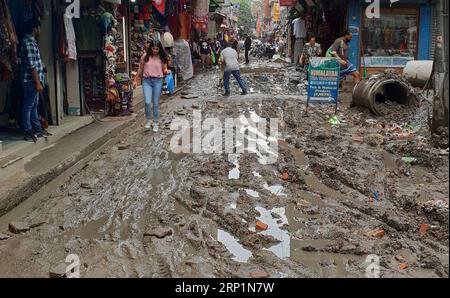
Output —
(323, 80)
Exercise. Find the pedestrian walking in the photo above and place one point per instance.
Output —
(248, 47)
(340, 50)
(235, 44)
(229, 57)
(153, 68)
(217, 48)
(205, 53)
(33, 81)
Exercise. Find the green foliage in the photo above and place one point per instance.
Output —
(245, 18)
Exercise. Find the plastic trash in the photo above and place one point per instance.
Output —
(334, 121)
(409, 160)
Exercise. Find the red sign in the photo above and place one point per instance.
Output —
(286, 3)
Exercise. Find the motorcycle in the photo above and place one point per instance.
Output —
(270, 51)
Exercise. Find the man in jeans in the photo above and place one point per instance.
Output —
(33, 79)
(229, 57)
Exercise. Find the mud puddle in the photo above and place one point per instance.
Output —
(240, 254)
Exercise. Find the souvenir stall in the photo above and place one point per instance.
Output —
(13, 15)
(8, 58)
(163, 20)
(101, 37)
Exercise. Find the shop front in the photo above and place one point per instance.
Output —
(402, 33)
(323, 19)
(102, 38)
(13, 15)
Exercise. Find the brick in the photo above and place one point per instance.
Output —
(259, 274)
(261, 226)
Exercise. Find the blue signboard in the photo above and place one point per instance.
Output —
(323, 80)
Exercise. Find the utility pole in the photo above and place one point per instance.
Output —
(441, 97)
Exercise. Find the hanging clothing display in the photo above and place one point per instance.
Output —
(184, 59)
(8, 43)
(70, 38)
(185, 31)
(173, 21)
(160, 6)
(200, 12)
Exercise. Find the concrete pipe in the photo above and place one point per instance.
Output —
(380, 88)
(418, 72)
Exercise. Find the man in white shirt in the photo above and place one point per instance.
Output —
(300, 35)
(229, 57)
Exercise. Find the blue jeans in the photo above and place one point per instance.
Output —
(30, 117)
(237, 75)
(152, 92)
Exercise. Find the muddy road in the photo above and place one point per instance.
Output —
(339, 191)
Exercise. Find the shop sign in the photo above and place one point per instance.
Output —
(323, 80)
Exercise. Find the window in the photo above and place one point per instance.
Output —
(392, 39)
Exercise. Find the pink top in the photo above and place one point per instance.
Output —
(153, 68)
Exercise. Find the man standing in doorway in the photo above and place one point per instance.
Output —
(230, 58)
(340, 50)
(300, 35)
(247, 46)
(33, 80)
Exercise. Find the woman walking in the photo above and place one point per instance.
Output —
(153, 68)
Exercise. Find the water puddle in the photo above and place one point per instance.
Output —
(252, 193)
(234, 173)
(314, 183)
(312, 198)
(233, 198)
(276, 190)
(232, 244)
(256, 174)
(300, 158)
(322, 263)
(388, 160)
(283, 249)
(90, 230)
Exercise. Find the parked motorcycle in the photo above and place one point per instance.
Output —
(261, 50)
